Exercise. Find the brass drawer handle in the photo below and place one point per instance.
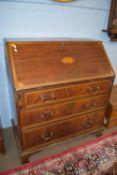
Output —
(47, 97)
(88, 106)
(47, 137)
(87, 123)
(92, 89)
(84, 107)
(46, 114)
(94, 104)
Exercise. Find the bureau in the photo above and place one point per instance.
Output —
(61, 89)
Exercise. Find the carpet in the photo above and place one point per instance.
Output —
(98, 157)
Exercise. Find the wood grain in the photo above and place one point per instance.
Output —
(29, 68)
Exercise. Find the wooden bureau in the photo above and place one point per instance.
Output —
(61, 90)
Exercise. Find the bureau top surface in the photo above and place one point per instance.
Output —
(36, 64)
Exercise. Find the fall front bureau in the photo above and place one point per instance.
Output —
(61, 89)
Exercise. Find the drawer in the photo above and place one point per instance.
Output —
(39, 97)
(50, 133)
(58, 111)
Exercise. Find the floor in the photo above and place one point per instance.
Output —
(11, 158)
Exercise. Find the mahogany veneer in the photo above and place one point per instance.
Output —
(61, 90)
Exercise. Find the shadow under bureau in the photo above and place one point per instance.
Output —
(61, 89)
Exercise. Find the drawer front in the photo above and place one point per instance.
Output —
(40, 97)
(58, 111)
(50, 133)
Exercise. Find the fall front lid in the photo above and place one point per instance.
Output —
(36, 64)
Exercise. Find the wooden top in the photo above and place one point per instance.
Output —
(113, 98)
(36, 64)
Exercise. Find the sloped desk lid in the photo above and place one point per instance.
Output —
(36, 64)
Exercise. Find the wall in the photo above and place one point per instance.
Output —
(41, 19)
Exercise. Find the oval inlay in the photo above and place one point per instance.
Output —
(68, 60)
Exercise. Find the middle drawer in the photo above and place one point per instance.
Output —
(55, 112)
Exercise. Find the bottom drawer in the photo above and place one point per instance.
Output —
(50, 133)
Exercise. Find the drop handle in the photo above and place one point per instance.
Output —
(93, 104)
(85, 106)
(47, 97)
(89, 106)
(46, 115)
(87, 123)
(47, 137)
(94, 88)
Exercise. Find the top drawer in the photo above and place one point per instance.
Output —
(39, 97)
